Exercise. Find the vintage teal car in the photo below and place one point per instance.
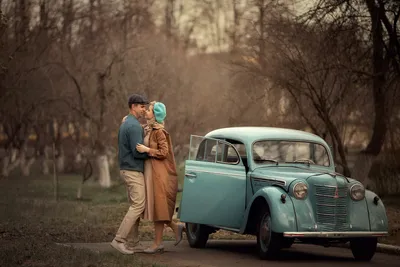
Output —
(279, 185)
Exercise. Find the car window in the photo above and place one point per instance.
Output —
(290, 151)
(241, 149)
(212, 150)
(195, 142)
(207, 150)
(226, 153)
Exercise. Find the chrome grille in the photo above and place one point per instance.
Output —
(331, 208)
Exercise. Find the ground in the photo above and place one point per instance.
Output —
(242, 253)
(32, 221)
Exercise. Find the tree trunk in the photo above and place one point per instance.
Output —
(103, 170)
(362, 167)
(10, 162)
(78, 158)
(261, 41)
(26, 164)
(60, 161)
(45, 161)
(169, 18)
(365, 159)
(111, 160)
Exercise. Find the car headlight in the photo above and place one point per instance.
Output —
(357, 192)
(300, 190)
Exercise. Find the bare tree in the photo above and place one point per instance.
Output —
(385, 57)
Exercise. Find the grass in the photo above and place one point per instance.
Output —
(31, 222)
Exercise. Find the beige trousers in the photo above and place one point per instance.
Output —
(129, 228)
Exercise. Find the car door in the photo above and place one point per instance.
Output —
(214, 189)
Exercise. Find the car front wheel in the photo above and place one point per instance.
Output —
(363, 249)
(268, 242)
(197, 235)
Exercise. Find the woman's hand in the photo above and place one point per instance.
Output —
(142, 148)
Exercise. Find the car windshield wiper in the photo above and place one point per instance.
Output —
(268, 160)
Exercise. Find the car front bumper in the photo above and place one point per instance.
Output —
(333, 234)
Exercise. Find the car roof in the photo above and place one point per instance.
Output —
(251, 134)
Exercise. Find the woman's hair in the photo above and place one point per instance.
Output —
(151, 104)
(124, 118)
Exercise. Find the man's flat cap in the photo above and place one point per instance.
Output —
(137, 99)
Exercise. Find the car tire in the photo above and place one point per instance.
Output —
(197, 235)
(268, 242)
(363, 249)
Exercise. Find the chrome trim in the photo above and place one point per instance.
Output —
(219, 173)
(330, 214)
(270, 179)
(191, 175)
(228, 163)
(332, 186)
(300, 182)
(334, 234)
(320, 195)
(328, 205)
(351, 187)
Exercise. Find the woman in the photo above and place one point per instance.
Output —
(160, 176)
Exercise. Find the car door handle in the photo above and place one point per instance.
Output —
(191, 175)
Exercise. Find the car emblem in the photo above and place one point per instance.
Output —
(336, 193)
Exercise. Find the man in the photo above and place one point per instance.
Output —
(131, 164)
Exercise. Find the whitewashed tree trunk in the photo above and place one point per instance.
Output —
(104, 171)
(362, 167)
(14, 153)
(45, 162)
(25, 162)
(78, 158)
(60, 161)
(10, 162)
(111, 161)
(5, 164)
(26, 166)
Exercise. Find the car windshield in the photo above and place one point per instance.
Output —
(282, 151)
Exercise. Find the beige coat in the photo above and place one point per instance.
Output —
(164, 174)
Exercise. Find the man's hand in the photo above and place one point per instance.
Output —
(142, 148)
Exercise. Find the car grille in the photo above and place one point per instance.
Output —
(331, 207)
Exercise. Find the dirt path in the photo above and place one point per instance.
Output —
(242, 254)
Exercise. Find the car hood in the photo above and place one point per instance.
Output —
(290, 174)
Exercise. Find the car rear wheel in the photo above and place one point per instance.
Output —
(197, 235)
(363, 249)
(268, 242)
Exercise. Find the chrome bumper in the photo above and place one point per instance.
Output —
(334, 234)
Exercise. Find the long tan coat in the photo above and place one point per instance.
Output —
(164, 174)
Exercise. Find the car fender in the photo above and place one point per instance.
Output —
(377, 213)
(282, 214)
